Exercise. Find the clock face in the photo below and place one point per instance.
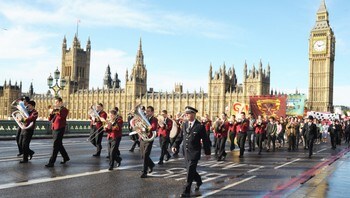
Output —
(319, 45)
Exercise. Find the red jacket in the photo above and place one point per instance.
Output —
(59, 120)
(232, 127)
(165, 130)
(33, 115)
(242, 127)
(260, 129)
(221, 130)
(114, 129)
(154, 125)
(207, 125)
(98, 122)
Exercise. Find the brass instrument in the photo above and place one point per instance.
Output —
(140, 125)
(94, 115)
(94, 134)
(20, 114)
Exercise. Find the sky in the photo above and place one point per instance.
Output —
(180, 40)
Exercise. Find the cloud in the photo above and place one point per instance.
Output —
(341, 96)
(111, 13)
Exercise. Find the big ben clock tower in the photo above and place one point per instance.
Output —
(321, 66)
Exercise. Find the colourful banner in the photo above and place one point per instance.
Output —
(324, 115)
(295, 104)
(238, 108)
(268, 105)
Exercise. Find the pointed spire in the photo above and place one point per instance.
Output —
(31, 90)
(139, 55)
(210, 71)
(322, 7)
(268, 69)
(126, 76)
(245, 69)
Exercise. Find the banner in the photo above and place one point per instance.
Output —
(238, 108)
(324, 115)
(268, 105)
(295, 104)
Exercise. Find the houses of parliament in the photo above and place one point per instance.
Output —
(223, 87)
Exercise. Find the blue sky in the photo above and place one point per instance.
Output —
(180, 39)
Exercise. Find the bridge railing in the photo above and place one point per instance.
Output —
(9, 127)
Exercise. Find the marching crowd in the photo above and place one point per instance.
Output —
(262, 133)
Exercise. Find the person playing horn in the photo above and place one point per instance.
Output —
(96, 132)
(114, 136)
(146, 146)
(164, 129)
(58, 119)
(26, 134)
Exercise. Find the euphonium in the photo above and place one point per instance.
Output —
(140, 125)
(93, 113)
(20, 114)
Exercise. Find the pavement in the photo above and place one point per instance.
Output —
(272, 174)
(331, 181)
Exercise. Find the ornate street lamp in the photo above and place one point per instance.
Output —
(56, 87)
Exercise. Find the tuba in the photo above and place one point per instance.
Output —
(20, 114)
(140, 125)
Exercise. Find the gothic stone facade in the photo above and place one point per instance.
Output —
(223, 89)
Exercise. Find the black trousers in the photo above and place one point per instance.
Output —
(19, 141)
(291, 142)
(58, 145)
(208, 135)
(271, 138)
(310, 143)
(146, 148)
(259, 140)
(113, 151)
(232, 136)
(221, 143)
(96, 138)
(241, 137)
(164, 144)
(333, 140)
(192, 174)
(251, 140)
(26, 137)
(135, 139)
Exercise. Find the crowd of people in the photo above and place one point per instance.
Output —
(261, 133)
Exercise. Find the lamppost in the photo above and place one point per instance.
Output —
(56, 87)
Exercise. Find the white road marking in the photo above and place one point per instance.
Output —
(255, 169)
(227, 187)
(321, 150)
(44, 180)
(285, 164)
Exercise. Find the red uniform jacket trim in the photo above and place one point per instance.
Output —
(115, 129)
(154, 125)
(242, 127)
(33, 115)
(59, 120)
(165, 130)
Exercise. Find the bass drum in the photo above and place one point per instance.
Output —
(174, 130)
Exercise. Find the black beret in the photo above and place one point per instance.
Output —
(32, 103)
(310, 117)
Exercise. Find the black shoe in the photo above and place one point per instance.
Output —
(167, 157)
(110, 168)
(249, 150)
(23, 161)
(19, 154)
(198, 185)
(107, 157)
(64, 161)
(131, 150)
(259, 153)
(219, 159)
(185, 194)
(96, 155)
(151, 169)
(31, 155)
(241, 156)
(49, 165)
(119, 162)
(160, 162)
(144, 175)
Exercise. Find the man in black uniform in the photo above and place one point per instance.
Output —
(192, 133)
(25, 100)
(310, 131)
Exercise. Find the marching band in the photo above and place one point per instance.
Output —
(185, 129)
